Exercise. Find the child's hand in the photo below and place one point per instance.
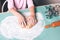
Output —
(22, 21)
(31, 20)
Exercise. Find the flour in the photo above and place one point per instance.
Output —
(10, 28)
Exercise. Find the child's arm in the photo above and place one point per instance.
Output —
(21, 19)
(32, 11)
(13, 10)
(31, 19)
(31, 7)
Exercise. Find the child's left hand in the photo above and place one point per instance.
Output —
(31, 20)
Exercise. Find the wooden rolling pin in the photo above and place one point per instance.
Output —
(54, 24)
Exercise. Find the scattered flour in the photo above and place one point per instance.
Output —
(10, 28)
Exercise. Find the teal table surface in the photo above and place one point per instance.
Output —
(47, 34)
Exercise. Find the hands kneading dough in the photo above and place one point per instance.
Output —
(31, 21)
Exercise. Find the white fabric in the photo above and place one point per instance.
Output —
(10, 28)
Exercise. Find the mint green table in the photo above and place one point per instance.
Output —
(47, 34)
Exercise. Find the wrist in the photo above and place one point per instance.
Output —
(32, 14)
(19, 16)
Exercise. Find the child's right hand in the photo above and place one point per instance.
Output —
(22, 21)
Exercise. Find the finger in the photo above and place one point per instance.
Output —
(36, 21)
(24, 23)
(20, 23)
(28, 19)
(32, 21)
